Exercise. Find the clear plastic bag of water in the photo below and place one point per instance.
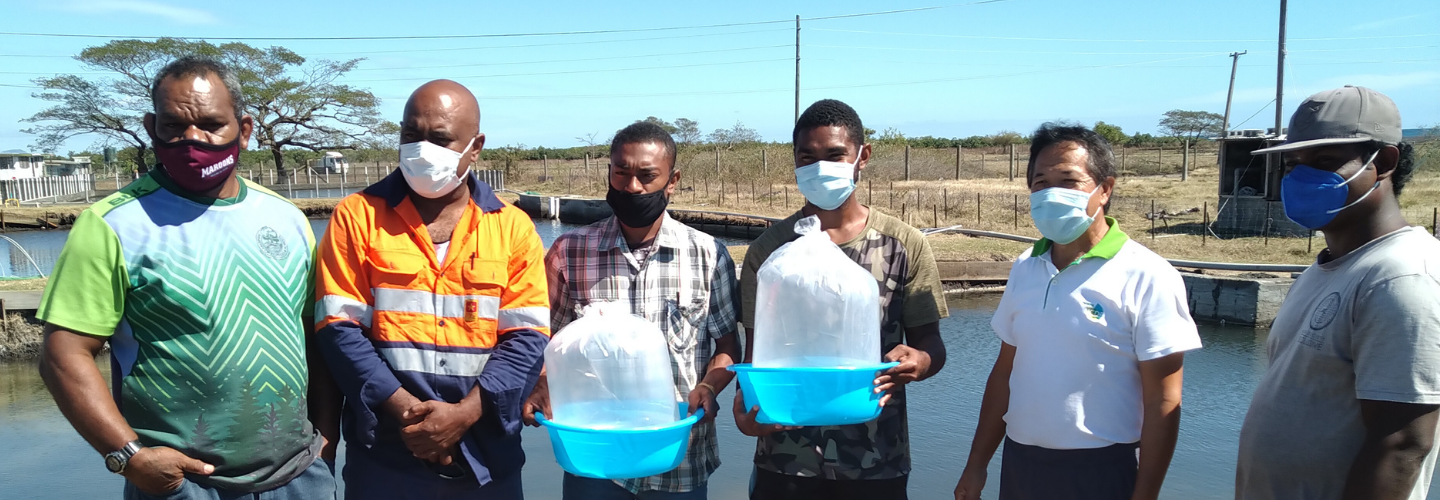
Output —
(814, 307)
(610, 369)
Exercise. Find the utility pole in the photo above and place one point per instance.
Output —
(1280, 76)
(797, 68)
(1234, 64)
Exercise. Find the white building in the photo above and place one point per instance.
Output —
(21, 166)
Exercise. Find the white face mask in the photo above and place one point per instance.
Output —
(431, 169)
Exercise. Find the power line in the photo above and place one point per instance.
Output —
(575, 71)
(1257, 113)
(1041, 39)
(510, 35)
(551, 44)
(1094, 53)
(637, 56)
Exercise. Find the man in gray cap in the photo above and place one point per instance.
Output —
(1347, 407)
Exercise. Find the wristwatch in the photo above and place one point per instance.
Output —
(116, 460)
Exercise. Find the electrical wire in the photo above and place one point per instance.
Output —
(572, 72)
(511, 35)
(1120, 40)
(584, 59)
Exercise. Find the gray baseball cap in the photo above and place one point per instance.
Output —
(1346, 115)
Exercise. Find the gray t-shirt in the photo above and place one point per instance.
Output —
(1364, 326)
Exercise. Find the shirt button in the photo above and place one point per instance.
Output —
(442, 322)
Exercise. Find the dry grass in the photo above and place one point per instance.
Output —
(22, 285)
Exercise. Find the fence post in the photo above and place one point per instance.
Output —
(1012, 162)
(982, 164)
(957, 165)
(945, 198)
(764, 161)
(1205, 229)
(545, 173)
(290, 184)
(1152, 219)
(907, 162)
(1185, 162)
(869, 192)
(1434, 218)
(1122, 160)
(587, 163)
(1267, 223)
(717, 163)
(892, 195)
(787, 198)
(977, 209)
(1017, 211)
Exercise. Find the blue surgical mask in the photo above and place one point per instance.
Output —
(1312, 197)
(826, 184)
(1061, 214)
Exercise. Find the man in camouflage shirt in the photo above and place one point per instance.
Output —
(869, 460)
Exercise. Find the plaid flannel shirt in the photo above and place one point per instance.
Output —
(686, 286)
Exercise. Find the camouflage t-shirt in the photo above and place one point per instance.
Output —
(910, 295)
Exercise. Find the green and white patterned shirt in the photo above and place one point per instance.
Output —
(201, 301)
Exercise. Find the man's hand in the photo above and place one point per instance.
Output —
(703, 397)
(538, 402)
(745, 420)
(440, 427)
(158, 471)
(971, 482)
(914, 365)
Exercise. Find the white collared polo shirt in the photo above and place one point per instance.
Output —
(1080, 334)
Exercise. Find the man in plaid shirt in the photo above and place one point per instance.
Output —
(681, 279)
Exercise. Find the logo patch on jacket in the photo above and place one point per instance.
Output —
(1094, 311)
(472, 310)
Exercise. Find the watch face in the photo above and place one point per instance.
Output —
(114, 463)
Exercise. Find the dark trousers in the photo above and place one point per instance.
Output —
(776, 486)
(367, 478)
(1035, 473)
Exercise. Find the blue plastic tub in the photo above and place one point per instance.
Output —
(620, 453)
(811, 396)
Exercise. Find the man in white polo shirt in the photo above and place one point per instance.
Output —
(1347, 408)
(1094, 328)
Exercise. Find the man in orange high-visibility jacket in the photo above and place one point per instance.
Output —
(434, 316)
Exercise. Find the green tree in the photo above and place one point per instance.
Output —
(1191, 124)
(687, 131)
(1006, 138)
(738, 134)
(295, 104)
(110, 106)
(1111, 133)
(667, 126)
(891, 136)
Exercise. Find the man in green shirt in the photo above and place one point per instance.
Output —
(199, 282)
(869, 460)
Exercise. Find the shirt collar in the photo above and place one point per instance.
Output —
(1105, 249)
(393, 189)
(670, 234)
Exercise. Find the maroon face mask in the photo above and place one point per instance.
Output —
(198, 166)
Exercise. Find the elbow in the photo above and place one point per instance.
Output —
(1413, 446)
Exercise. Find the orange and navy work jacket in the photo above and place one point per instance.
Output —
(391, 315)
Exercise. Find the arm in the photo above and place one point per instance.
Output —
(343, 306)
(67, 365)
(1398, 436)
(562, 312)
(721, 324)
(920, 359)
(524, 329)
(323, 399)
(1160, 383)
(990, 431)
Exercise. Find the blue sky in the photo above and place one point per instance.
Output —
(954, 71)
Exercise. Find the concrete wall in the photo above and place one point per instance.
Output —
(1242, 301)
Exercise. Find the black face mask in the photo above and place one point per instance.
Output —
(637, 210)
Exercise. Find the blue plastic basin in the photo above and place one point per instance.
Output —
(811, 396)
(620, 453)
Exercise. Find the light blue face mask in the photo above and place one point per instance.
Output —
(827, 184)
(1062, 214)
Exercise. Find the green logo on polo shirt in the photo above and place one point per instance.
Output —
(1094, 311)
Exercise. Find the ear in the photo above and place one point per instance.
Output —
(1107, 188)
(473, 156)
(247, 128)
(673, 185)
(862, 158)
(150, 126)
(1386, 162)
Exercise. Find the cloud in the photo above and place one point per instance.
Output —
(176, 14)
(1383, 23)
